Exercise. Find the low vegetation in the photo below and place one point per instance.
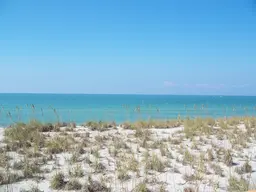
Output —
(135, 156)
(155, 163)
(238, 184)
(57, 182)
(73, 184)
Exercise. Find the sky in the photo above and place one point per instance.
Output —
(193, 47)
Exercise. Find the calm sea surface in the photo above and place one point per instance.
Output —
(119, 108)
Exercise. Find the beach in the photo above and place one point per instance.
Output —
(176, 155)
(127, 96)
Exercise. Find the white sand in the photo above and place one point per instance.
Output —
(1, 133)
(172, 181)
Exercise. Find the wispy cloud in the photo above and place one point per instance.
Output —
(204, 85)
(209, 86)
(240, 86)
(169, 84)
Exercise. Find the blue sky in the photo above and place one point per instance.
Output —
(141, 47)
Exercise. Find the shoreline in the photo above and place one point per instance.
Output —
(203, 154)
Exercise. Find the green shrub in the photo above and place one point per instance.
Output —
(77, 171)
(57, 182)
(133, 164)
(22, 135)
(210, 155)
(228, 160)
(141, 187)
(217, 169)
(238, 184)
(122, 174)
(99, 126)
(188, 157)
(246, 168)
(154, 163)
(3, 159)
(210, 121)
(9, 178)
(30, 169)
(223, 124)
(32, 189)
(57, 145)
(95, 186)
(73, 185)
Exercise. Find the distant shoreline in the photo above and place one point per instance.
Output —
(131, 94)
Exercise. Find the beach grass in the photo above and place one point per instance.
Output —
(133, 156)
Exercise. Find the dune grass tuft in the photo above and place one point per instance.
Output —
(155, 163)
(236, 184)
(73, 184)
(57, 182)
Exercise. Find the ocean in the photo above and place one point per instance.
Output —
(84, 107)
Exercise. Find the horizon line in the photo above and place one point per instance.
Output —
(153, 94)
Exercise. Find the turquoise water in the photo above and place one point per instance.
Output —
(119, 108)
